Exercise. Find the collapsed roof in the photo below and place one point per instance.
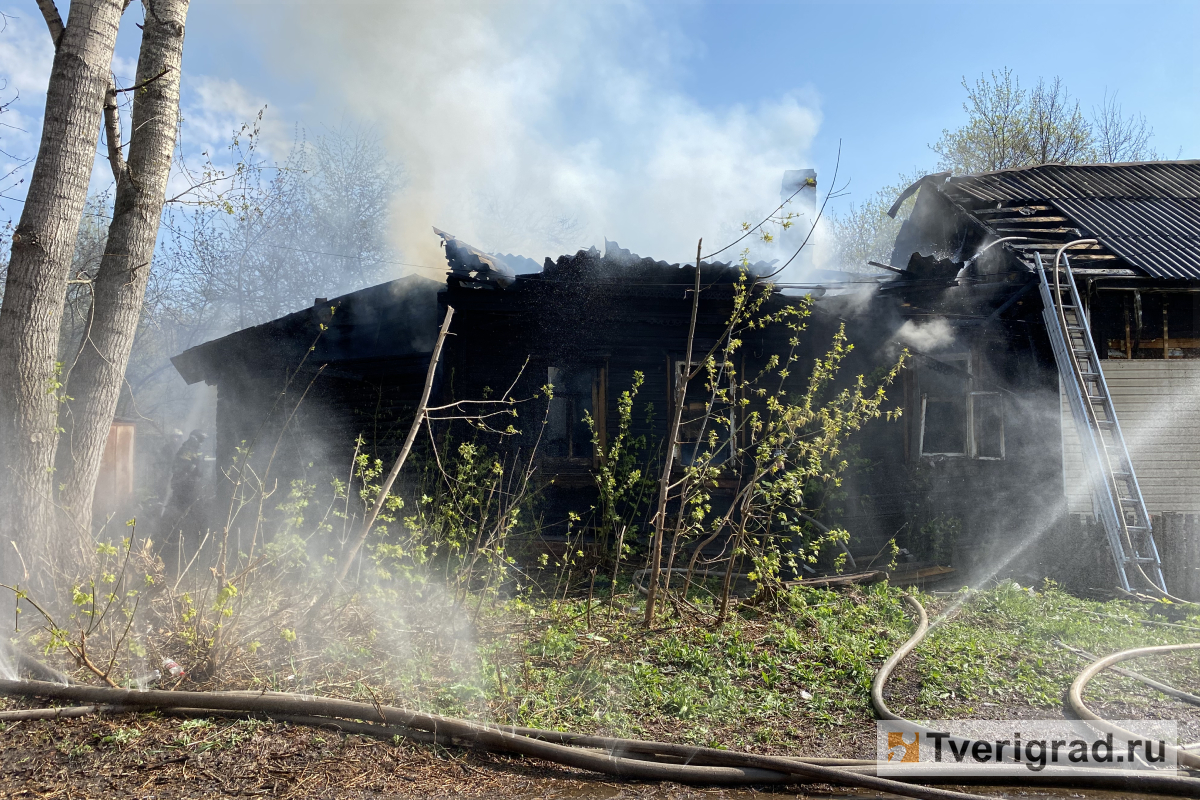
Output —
(1145, 215)
(393, 325)
(471, 267)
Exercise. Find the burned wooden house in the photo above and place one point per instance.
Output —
(985, 466)
(584, 323)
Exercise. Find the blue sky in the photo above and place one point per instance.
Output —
(648, 123)
(888, 75)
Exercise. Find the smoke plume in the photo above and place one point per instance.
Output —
(543, 127)
(928, 336)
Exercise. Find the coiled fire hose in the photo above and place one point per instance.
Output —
(707, 765)
(1124, 779)
(625, 758)
(1075, 695)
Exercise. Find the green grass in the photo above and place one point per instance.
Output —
(755, 672)
(1000, 648)
(764, 678)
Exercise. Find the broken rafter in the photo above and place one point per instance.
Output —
(1018, 231)
(1052, 247)
(1026, 220)
(1008, 209)
(1101, 272)
(1081, 256)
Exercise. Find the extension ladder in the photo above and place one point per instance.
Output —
(1116, 496)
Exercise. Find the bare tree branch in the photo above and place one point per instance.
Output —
(1119, 137)
(112, 132)
(112, 120)
(53, 20)
(144, 83)
(660, 517)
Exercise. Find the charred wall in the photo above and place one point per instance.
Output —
(982, 458)
(588, 322)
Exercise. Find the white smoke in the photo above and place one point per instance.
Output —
(926, 336)
(541, 127)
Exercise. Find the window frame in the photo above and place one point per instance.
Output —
(971, 444)
(599, 414)
(972, 441)
(965, 360)
(731, 444)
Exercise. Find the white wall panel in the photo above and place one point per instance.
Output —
(1158, 407)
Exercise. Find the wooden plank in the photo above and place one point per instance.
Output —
(828, 581)
(1011, 231)
(114, 483)
(1008, 209)
(918, 577)
(1054, 247)
(1023, 220)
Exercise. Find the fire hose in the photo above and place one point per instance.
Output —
(624, 758)
(716, 767)
(1137, 781)
(1075, 695)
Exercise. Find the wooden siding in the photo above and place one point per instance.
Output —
(1159, 412)
(114, 484)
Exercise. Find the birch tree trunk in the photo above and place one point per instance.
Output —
(96, 380)
(35, 290)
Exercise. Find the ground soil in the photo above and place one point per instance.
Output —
(70, 758)
(147, 757)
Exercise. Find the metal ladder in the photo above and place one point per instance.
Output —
(1116, 496)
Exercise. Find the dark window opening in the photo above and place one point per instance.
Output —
(987, 425)
(568, 434)
(944, 409)
(702, 430)
(1128, 324)
(945, 428)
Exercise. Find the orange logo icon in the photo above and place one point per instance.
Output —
(901, 750)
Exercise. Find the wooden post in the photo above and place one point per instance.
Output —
(1128, 336)
(1166, 335)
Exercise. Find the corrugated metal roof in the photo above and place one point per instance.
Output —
(1148, 213)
